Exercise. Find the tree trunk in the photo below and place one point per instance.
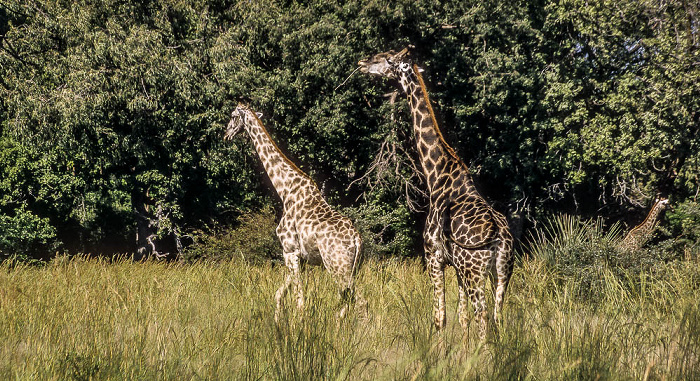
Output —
(144, 231)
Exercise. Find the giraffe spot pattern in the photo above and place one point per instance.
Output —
(309, 229)
(456, 208)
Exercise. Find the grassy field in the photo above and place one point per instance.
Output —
(87, 319)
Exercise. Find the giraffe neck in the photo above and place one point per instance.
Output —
(429, 140)
(283, 173)
(653, 216)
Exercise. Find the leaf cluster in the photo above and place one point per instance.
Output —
(112, 113)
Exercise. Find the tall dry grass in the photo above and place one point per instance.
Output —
(81, 319)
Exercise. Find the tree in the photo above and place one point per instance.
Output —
(112, 113)
(121, 98)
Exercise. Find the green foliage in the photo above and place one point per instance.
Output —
(253, 240)
(385, 231)
(25, 234)
(130, 116)
(684, 222)
(118, 107)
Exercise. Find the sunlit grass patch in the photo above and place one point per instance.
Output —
(85, 318)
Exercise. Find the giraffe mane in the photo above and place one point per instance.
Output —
(448, 148)
(277, 148)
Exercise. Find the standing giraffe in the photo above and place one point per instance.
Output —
(310, 229)
(461, 229)
(639, 235)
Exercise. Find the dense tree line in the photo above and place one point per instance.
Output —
(112, 112)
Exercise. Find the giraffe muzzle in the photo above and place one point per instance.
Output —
(363, 66)
(231, 130)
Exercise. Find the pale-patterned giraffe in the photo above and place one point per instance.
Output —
(639, 235)
(310, 230)
(461, 229)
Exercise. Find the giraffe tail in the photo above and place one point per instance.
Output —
(358, 253)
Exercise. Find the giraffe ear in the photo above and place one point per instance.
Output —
(420, 70)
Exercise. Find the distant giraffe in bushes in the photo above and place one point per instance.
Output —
(461, 228)
(309, 230)
(639, 235)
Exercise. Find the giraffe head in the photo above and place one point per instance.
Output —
(388, 64)
(393, 66)
(662, 203)
(239, 117)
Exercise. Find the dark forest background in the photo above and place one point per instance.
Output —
(112, 115)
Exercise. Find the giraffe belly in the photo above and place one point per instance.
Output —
(309, 252)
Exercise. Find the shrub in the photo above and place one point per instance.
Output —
(254, 240)
(578, 250)
(588, 255)
(25, 235)
(386, 231)
(684, 223)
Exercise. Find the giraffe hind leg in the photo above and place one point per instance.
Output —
(464, 318)
(343, 271)
(471, 288)
(349, 295)
(346, 299)
(478, 299)
(503, 271)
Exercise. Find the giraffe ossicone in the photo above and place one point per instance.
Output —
(309, 230)
(461, 229)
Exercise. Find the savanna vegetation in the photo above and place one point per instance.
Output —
(79, 318)
(572, 115)
(112, 114)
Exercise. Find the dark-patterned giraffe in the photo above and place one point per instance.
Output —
(639, 235)
(310, 229)
(461, 229)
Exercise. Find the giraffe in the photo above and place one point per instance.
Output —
(639, 235)
(461, 228)
(309, 230)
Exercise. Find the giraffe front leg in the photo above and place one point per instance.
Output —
(294, 266)
(292, 262)
(279, 295)
(437, 276)
(464, 317)
(434, 257)
(290, 252)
